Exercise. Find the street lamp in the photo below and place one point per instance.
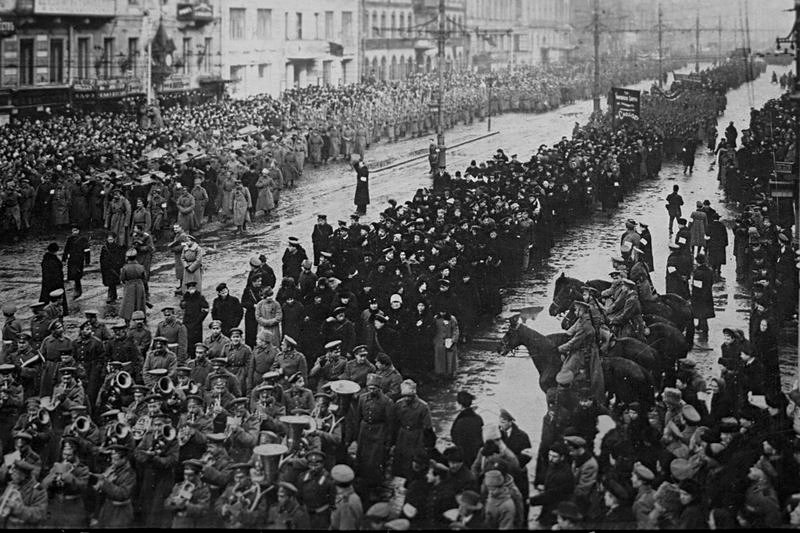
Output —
(490, 83)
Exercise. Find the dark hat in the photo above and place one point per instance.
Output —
(560, 448)
(465, 398)
(295, 377)
(194, 464)
(222, 286)
(52, 247)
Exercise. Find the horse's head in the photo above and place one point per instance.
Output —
(563, 296)
(511, 339)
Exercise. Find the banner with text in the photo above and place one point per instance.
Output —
(625, 104)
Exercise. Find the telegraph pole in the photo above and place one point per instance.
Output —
(596, 30)
(660, 46)
(719, 39)
(697, 43)
(442, 40)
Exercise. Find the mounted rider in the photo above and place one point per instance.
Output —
(581, 355)
(625, 312)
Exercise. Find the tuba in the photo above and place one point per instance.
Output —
(297, 426)
(123, 380)
(269, 456)
(120, 431)
(81, 425)
(11, 494)
(164, 386)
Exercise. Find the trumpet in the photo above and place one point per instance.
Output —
(186, 491)
(10, 495)
(191, 388)
(185, 434)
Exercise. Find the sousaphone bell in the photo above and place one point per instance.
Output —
(269, 456)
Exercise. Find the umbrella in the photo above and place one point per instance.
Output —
(248, 130)
(156, 153)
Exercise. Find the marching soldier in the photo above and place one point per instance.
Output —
(317, 490)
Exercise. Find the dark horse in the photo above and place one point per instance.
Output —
(625, 380)
(669, 306)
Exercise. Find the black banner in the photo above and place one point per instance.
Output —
(625, 104)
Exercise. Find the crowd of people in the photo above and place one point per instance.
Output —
(189, 159)
(297, 405)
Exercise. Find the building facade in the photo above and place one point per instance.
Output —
(398, 37)
(508, 32)
(268, 46)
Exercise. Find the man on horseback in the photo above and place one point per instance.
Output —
(581, 355)
(625, 313)
(597, 316)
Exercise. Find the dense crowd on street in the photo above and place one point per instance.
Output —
(229, 160)
(296, 406)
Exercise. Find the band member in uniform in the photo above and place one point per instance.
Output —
(317, 490)
(116, 487)
(66, 483)
(190, 499)
(23, 504)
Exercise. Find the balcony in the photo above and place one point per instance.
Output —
(311, 49)
(196, 12)
(84, 8)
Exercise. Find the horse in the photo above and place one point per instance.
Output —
(627, 381)
(670, 344)
(669, 306)
(544, 354)
(541, 350)
(625, 347)
(567, 290)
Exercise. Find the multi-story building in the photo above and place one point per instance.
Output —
(398, 37)
(506, 32)
(268, 46)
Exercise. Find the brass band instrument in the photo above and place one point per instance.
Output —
(186, 491)
(164, 386)
(107, 475)
(185, 434)
(10, 495)
(164, 437)
(269, 456)
(245, 499)
(190, 389)
(215, 407)
(141, 427)
(81, 425)
(123, 380)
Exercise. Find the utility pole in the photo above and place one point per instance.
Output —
(697, 43)
(442, 40)
(719, 39)
(660, 46)
(596, 31)
(148, 57)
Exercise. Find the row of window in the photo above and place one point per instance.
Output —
(518, 10)
(382, 26)
(101, 62)
(297, 25)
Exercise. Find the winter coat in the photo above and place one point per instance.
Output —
(362, 186)
(467, 432)
(52, 275)
(192, 260)
(265, 201)
(717, 243)
(227, 310)
(240, 205)
(132, 277)
(697, 228)
(186, 211)
(118, 217)
(702, 297)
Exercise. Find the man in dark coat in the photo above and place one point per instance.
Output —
(52, 274)
(717, 244)
(516, 439)
(374, 415)
(702, 297)
(112, 259)
(678, 268)
(321, 237)
(362, 187)
(646, 245)
(227, 309)
(467, 429)
(76, 255)
(293, 259)
(195, 308)
(559, 483)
